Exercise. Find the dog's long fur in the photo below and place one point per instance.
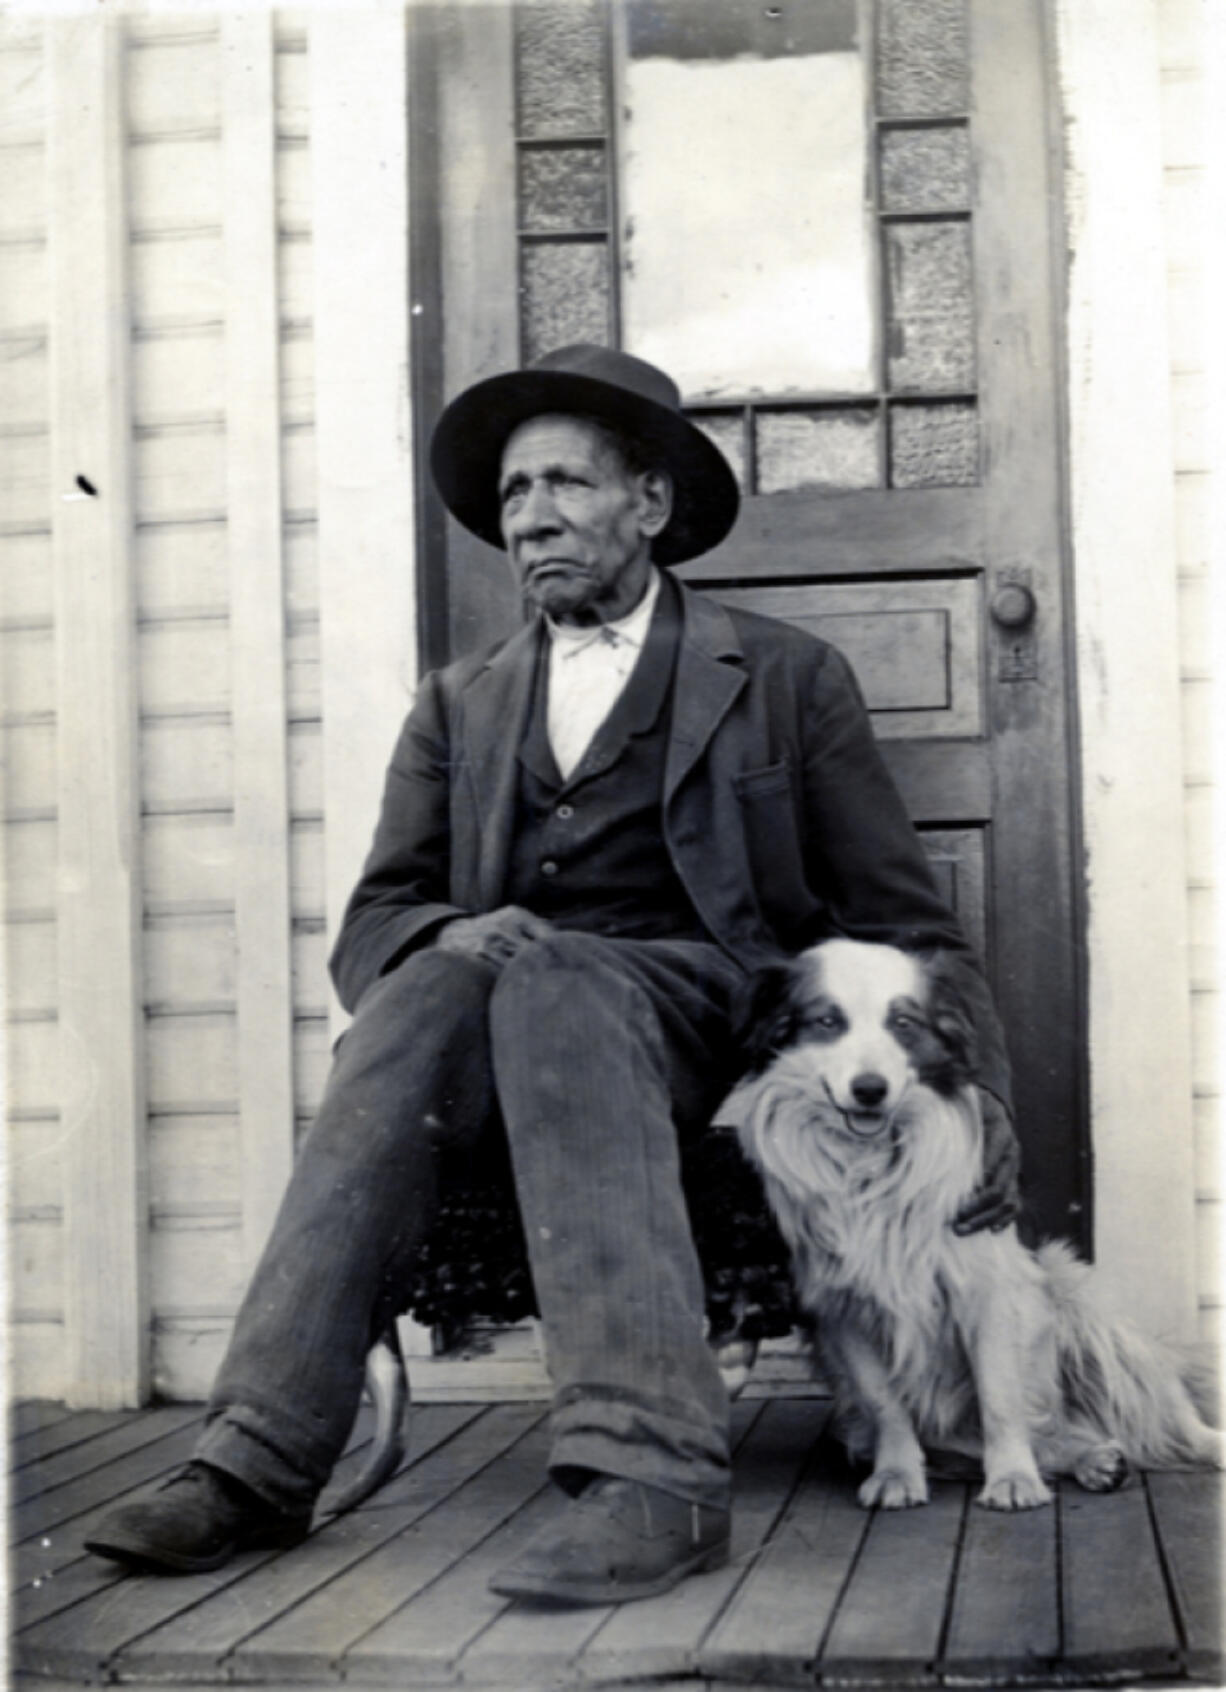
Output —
(865, 1125)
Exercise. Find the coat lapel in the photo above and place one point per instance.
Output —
(710, 675)
(497, 703)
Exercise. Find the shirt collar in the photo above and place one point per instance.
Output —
(630, 630)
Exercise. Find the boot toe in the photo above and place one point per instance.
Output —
(196, 1521)
(619, 1540)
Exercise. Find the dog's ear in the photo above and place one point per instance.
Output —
(766, 1018)
(950, 1012)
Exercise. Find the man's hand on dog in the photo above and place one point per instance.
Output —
(997, 1200)
(495, 936)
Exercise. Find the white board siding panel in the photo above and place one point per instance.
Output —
(35, 1166)
(33, 1058)
(25, 576)
(1182, 62)
(189, 861)
(190, 959)
(24, 372)
(32, 967)
(36, 1265)
(192, 1062)
(184, 664)
(25, 479)
(23, 286)
(181, 567)
(27, 669)
(31, 776)
(174, 181)
(177, 279)
(178, 375)
(193, 1154)
(29, 867)
(187, 764)
(180, 472)
(29, 1044)
(173, 81)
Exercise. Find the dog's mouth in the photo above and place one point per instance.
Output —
(866, 1124)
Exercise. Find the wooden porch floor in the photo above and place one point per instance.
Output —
(1125, 1587)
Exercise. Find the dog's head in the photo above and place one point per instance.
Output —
(864, 1023)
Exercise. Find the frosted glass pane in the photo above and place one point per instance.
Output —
(817, 449)
(921, 57)
(727, 430)
(746, 246)
(934, 446)
(931, 331)
(562, 188)
(925, 170)
(559, 67)
(565, 295)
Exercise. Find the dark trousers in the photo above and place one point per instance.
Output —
(592, 1055)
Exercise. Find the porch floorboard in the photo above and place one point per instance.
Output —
(1096, 1590)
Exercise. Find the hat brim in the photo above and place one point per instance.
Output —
(467, 447)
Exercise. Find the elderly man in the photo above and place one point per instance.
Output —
(590, 836)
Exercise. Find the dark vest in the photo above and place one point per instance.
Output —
(588, 853)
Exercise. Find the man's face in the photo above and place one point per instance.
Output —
(578, 525)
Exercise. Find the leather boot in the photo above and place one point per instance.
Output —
(618, 1540)
(197, 1520)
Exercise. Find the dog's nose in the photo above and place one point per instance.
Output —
(869, 1090)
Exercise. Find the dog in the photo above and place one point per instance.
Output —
(862, 1118)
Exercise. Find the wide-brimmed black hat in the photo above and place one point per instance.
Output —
(613, 387)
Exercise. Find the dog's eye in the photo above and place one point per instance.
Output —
(827, 1020)
(904, 1022)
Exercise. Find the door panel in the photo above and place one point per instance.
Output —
(867, 330)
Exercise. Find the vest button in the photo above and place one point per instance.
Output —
(566, 812)
(549, 867)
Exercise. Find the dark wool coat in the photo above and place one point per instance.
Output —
(778, 812)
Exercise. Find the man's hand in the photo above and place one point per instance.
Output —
(494, 937)
(997, 1200)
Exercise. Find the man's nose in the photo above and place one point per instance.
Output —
(538, 510)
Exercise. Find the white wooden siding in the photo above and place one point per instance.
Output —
(35, 1152)
(1182, 49)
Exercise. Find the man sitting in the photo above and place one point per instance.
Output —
(591, 835)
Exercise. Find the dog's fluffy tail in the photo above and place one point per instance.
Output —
(1133, 1391)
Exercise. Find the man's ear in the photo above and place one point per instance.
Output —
(767, 1017)
(655, 501)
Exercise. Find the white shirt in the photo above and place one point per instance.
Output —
(588, 668)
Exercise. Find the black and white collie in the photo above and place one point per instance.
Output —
(862, 1118)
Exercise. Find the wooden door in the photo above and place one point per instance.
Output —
(832, 220)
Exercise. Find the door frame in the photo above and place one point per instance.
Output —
(1120, 475)
(1118, 485)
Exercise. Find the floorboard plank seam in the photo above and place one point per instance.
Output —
(337, 1666)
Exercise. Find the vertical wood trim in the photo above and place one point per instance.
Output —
(99, 878)
(257, 622)
(1122, 487)
(359, 152)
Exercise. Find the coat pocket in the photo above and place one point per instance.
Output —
(773, 845)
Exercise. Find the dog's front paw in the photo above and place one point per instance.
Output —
(1104, 1468)
(1017, 1490)
(894, 1489)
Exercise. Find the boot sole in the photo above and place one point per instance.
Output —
(557, 1591)
(137, 1553)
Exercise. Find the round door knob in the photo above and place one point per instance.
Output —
(1013, 606)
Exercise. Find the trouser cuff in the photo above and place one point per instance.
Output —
(234, 1442)
(679, 1463)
